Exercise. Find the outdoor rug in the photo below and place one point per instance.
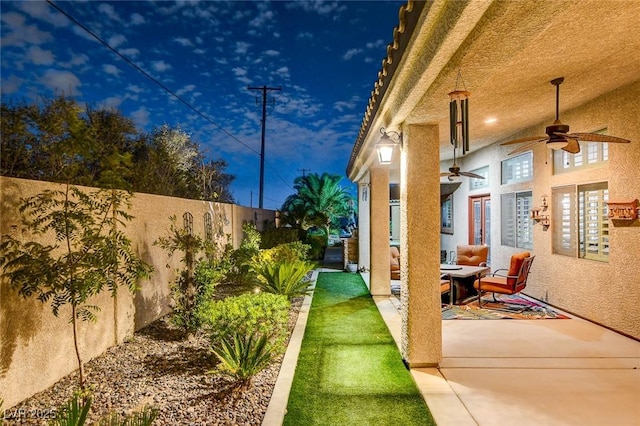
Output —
(507, 307)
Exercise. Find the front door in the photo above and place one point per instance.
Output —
(480, 221)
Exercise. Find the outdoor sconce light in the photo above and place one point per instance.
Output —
(540, 214)
(386, 145)
(545, 201)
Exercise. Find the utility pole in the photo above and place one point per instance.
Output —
(303, 171)
(264, 90)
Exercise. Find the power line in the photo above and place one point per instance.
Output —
(161, 85)
(146, 74)
(304, 171)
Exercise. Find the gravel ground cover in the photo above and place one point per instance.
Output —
(157, 367)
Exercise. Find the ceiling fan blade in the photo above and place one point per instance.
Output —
(525, 147)
(473, 175)
(527, 139)
(573, 147)
(594, 137)
(443, 174)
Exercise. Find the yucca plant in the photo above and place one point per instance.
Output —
(243, 357)
(74, 413)
(286, 278)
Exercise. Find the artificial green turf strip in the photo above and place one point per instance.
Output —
(350, 371)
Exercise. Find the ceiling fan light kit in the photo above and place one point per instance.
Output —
(558, 136)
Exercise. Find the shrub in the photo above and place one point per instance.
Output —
(276, 236)
(207, 276)
(240, 271)
(317, 243)
(244, 315)
(242, 357)
(285, 278)
(288, 252)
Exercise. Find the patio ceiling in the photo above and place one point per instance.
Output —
(507, 52)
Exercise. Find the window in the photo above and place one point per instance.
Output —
(446, 215)
(475, 183)
(518, 168)
(516, 225)
(580, 223)
(591, 154)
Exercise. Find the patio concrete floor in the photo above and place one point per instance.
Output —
(506, 372)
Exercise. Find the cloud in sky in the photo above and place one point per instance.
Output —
(349, 54)
(38, 56)
(60, 81)
(324, 55)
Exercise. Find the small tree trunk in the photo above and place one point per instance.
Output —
(75, 343)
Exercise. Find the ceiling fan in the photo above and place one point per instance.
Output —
(454, 170)
(558, 136)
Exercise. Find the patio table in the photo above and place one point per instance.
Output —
(461, 271)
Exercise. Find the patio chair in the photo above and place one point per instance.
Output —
(445, 287)
(469, 255)
(514, 281)
(472, 255)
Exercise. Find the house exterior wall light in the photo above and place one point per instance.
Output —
(386, 145)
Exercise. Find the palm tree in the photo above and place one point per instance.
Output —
(320, 201)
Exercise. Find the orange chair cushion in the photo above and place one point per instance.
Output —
(471, 255)
(494, 285)
(516, 262)
(394, 261)
(445, 286)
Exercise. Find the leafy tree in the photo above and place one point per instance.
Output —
(167, 163)
(214, 182)
(320, 201)
(59, 141)
(91, 252)
(18, 140)
(111, 161)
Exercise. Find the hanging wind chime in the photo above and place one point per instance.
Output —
(459, 116)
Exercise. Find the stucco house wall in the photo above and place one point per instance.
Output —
(36, 348)
(604, 292)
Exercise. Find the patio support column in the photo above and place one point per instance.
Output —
(364, 230)
(379, 243)
(420, 248)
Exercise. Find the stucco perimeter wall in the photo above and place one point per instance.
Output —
(604, 292)
(36, 348)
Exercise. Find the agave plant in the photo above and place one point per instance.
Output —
(286, 278)
(242, 357)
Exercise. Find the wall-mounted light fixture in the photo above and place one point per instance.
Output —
(385, 146)
(540, 214)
